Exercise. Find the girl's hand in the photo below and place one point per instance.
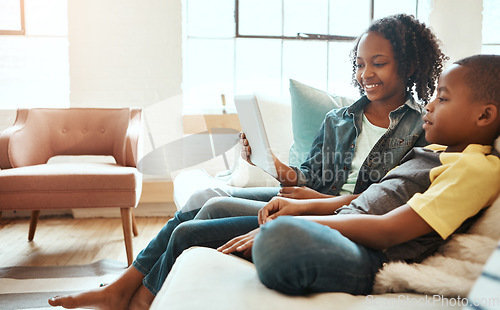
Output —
(245, 148)
(241, 244)
(281, 206)
(300, 192)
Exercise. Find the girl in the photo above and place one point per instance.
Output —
(355, 147)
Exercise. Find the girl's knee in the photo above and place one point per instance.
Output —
(199, 198)
(215, 207)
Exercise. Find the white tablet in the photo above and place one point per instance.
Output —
(253, 127)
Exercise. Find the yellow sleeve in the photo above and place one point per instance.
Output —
(460, 187)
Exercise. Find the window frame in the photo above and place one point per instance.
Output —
(232, 84)
(22, 31)
(495, 44)
(299, 36)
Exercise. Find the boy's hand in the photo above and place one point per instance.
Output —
(300, 192)
(280, 206)
(241, 244)
(245, 148)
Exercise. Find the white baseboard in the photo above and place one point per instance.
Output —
(27, 213)
(143, 210)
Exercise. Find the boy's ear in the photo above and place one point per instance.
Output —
(489, 114)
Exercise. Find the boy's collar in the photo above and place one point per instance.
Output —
(471, 148)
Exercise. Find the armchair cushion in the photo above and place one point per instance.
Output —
(70, 185)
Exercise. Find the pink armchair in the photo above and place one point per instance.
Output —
(28, 182)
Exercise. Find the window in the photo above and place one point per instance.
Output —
(34, 67)
(491, 24)
(12, 17)
(244, 46)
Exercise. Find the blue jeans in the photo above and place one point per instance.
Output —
(298, 257)
(207, 233)
(291, 255)
(213, 203)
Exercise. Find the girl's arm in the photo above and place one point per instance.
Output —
(286, 175)
(377, 231)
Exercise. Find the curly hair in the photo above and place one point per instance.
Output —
(482, 76)
(415, 48)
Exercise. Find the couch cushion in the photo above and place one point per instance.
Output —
(309, 107)
(219, 281)
(69, 185)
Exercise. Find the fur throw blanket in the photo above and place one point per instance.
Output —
(453, 269)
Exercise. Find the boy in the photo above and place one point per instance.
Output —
(434, 192)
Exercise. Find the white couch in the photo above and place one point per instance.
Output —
(205, 279)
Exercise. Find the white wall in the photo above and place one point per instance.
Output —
(458, 24)
(124, 52)
(129, 53)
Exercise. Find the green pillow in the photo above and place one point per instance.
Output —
(309, 107)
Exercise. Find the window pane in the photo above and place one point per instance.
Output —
(210, 18)
(10, 15)
(260, 17)
(34, 72)
(491, 21)
(305, 16)
(340, 70)
(258, 66)
(305, 61)
(383, 8)
(46, 17)
(491, 49)
(208, 72)
(349, 18)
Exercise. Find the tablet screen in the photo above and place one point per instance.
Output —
(253, 126)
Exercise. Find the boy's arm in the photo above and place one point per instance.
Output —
(374, 231)
(377, 231)
(279, 206)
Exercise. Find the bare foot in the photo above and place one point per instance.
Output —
(101, 298)
(112, 296)
(142, 299)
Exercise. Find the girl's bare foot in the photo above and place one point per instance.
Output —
(102, 298)
(114, 296)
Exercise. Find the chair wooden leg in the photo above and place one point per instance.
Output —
(127, 233)
(134, 226)
(35, 214)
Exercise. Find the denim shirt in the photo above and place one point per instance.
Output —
(329, 162)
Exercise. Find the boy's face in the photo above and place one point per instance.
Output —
(377, 69)
(452, 116)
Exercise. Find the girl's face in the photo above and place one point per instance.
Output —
(377, 70)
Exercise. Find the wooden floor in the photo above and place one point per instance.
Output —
(68, 241)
